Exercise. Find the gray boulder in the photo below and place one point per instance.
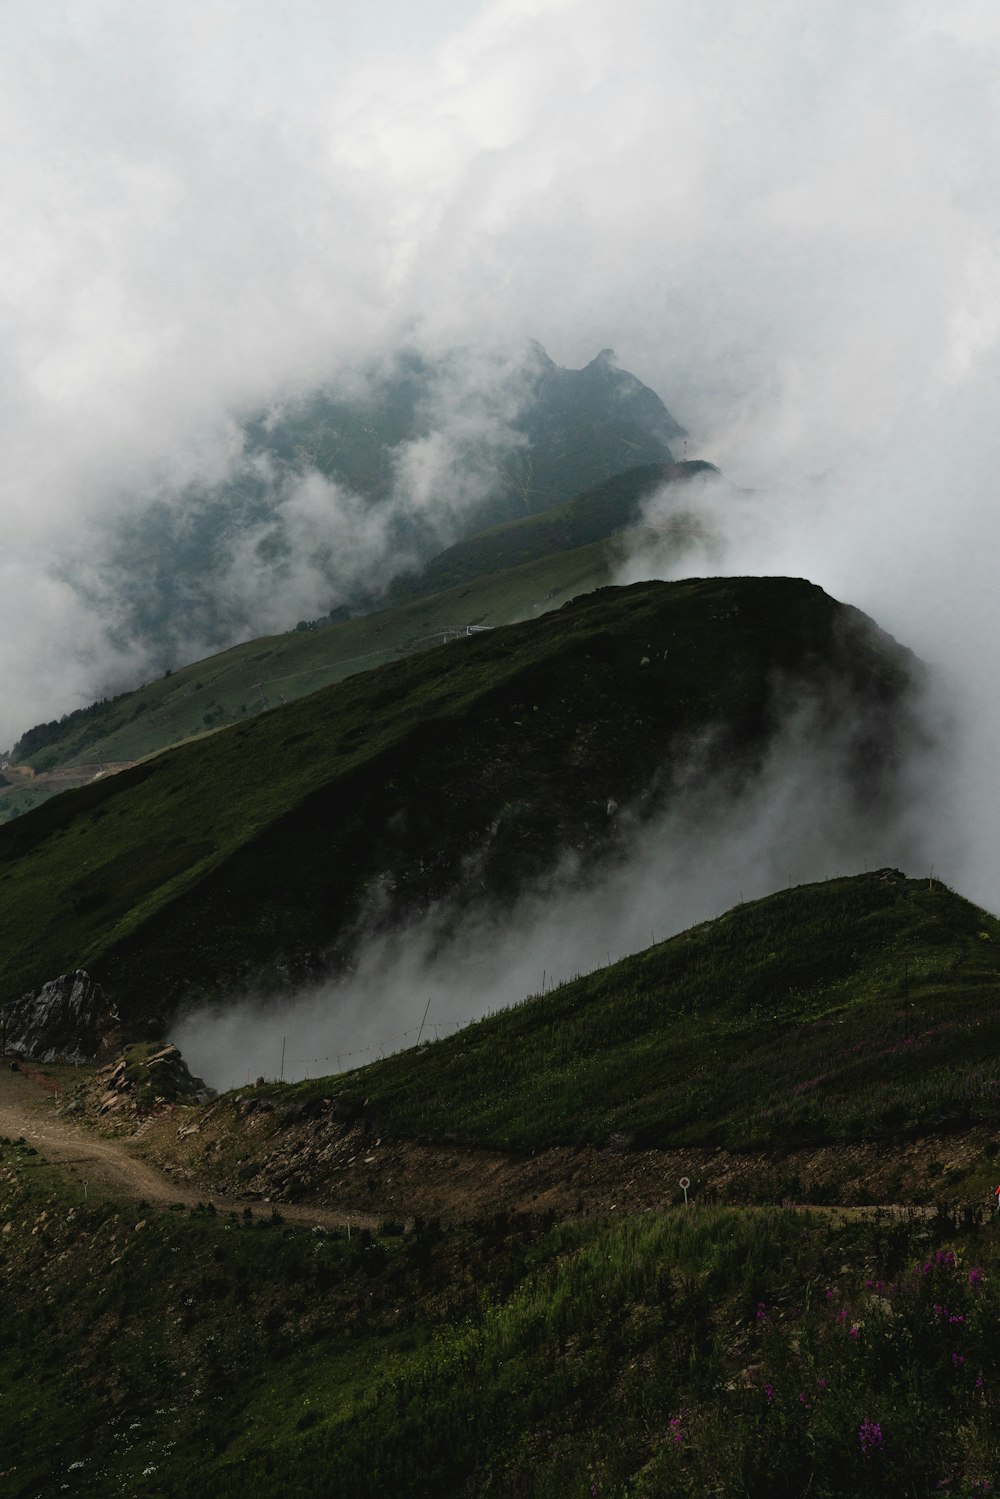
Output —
(63, 1021)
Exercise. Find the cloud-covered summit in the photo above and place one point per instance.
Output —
(328, 496)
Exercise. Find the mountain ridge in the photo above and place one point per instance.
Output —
(509, 572)
(393, 780)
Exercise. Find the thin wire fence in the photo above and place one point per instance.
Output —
(387, 1047)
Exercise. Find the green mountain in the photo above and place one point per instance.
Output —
(263, 850)
(567, 429)
(597, 513)
(518, 570)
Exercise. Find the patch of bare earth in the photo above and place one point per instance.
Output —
(349, 1166)
(322, 1168)
(115, 1165)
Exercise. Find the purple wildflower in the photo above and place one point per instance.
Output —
(854, 1333)
(769, 1393)
(677, 1428)
(762, 1311)
(957, 1360)
(870, 1436)
(976, 1275)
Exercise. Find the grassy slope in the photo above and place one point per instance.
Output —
(741, 1353)
(241, 682)
(516, 571)
(681, 1353)
(221, 858)
(858, 1008)
(592, 516)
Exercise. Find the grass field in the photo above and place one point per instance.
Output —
(242, 682)
(744, 1352)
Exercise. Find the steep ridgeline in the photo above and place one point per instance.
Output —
(515, 571)
(260, 853)
(597, 513)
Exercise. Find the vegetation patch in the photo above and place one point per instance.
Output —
(695, 1351)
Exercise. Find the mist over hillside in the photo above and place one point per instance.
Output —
(784, 221)
(331, 495)
(211, 211)
(300, 312)
(719, 842)
(450, 782)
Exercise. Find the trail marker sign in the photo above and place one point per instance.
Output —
(684, 1183)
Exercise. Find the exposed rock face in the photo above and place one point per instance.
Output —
(63, 1021)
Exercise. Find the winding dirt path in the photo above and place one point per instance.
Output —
(28, 1111)
(439, 1182)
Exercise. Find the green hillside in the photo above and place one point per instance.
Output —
(242, 682)
(739, 1351)
(517, 571)
(855, 1009)
(592, 516)
(744, 1354)
(255, 852)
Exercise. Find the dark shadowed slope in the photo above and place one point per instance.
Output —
(463, 772)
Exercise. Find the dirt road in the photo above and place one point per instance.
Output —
(398, 1179)
(28, 1111)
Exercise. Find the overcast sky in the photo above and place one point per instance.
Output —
(784, 217)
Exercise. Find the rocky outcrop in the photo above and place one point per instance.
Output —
(145, 1076)
(63, 1021)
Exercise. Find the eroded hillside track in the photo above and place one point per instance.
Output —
(455, 1184)
(28, 1112)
